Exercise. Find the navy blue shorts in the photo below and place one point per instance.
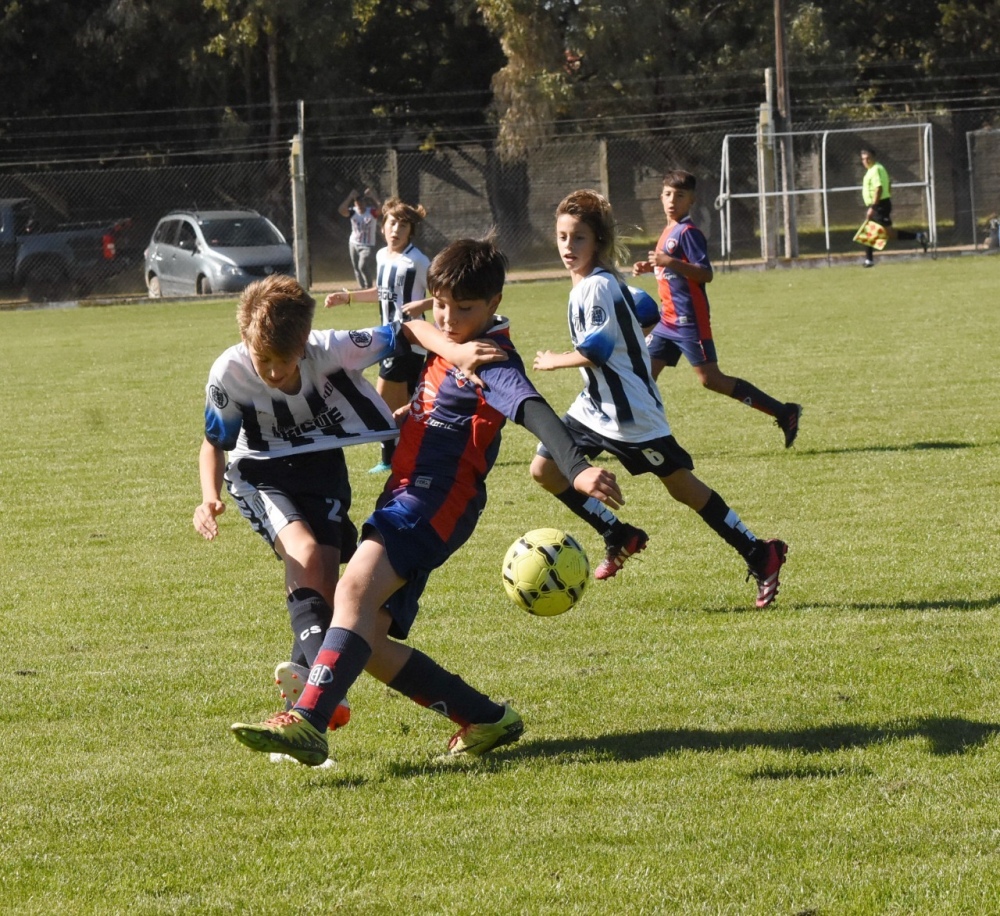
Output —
(660, 456)
(414, 550)
(668, 351)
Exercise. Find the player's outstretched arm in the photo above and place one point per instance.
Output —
(467, 357)
(546, 360)
(211, 465)
(539, 418)
(346, 297)
(696, 272)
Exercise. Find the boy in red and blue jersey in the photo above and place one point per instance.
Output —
(448, 443)
(682, 267)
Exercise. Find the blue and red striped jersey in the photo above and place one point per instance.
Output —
(451, 436)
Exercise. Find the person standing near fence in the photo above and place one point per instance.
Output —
(876, 192)
(363, 211)
(682, 267)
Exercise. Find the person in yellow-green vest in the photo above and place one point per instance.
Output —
(876, 192)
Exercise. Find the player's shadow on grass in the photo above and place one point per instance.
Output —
(942, 604)
(908, 447)
(945, 736)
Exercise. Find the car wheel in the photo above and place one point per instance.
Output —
(48, 283)
(205, 286)
(153, 285)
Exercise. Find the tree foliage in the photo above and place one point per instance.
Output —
(531, 67)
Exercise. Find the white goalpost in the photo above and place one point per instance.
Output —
(825, 172)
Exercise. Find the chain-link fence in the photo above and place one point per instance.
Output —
(467, 190)
(984, 186)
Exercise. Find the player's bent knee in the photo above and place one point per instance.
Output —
(540, 470)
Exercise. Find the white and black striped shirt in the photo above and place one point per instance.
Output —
(401, 278)
(620, 399)
(335, 405)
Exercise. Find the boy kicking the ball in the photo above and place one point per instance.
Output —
(448, 443)
(282, 403)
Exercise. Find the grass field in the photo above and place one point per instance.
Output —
(835, 754)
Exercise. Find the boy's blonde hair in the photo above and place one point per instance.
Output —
(404, 212)
(275, 314)
(594, 210)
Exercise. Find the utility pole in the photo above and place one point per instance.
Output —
(297, 168)
(784, 127)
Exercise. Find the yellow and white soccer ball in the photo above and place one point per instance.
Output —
(545, 572)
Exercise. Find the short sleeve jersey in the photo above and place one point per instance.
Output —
(364, 226)
(451, 437)
(684, 310)
(399, 280)
(876, 177)
(335, 405)
(620, 399)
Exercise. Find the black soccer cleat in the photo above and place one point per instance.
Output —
(788, 422)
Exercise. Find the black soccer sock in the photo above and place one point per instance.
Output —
(338, 665)
(425, 682)
(310, 617)
(388, 450)
(752, 396)
(726, 523)
(591, 510)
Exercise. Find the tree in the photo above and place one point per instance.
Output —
(587, 61)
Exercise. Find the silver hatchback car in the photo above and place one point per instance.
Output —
(213, 251)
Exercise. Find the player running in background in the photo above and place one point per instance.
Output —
(619, 409)
(430, 506)
(682, 267)
(282, 403)
(401, 277)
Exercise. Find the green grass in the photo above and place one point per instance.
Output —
(834, 754)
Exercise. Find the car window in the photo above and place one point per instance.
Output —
(244, 232)
(165, 232)
(187, 238)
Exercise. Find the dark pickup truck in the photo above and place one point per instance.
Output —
(61, 262)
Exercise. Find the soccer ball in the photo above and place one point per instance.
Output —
(545, 572)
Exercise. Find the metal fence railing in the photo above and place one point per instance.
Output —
(822, 203)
